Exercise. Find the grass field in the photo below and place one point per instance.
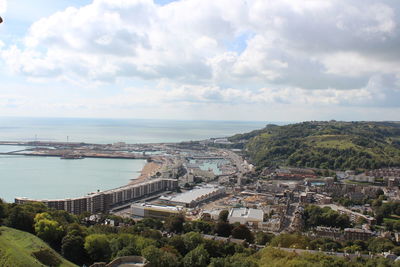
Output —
(16, 248)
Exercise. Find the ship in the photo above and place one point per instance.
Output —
(71, 157)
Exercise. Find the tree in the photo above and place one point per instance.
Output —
(223, 216)
(242, 232)
(126, 251)
(48, 229)
(315, 216)
(223, 229)
(76, 229)
(290, 240)
(2, 211)
(379, 192)
(192, 240)
(198, 257)
(262, 238)
(396, 226)
(122, 241)
(198, 226)
(63, 217)
(142, 243)
(159, 258)
(237, 260)
(98, 248)
(72, 248)
(178, 243)
(152, 223)
(20, 219)
(174, 223)
(380, 244)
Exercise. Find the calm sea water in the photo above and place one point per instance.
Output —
(52, 178)
(48, 177)
(118, 130)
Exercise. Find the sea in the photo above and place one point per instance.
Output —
(52, 178)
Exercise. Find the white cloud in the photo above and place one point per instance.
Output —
(3, 6)
(306, 52)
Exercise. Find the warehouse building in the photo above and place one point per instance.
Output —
(196, 196)
(145, 210)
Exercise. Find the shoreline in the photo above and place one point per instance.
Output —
(150, 169)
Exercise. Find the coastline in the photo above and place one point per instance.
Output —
(150, 169)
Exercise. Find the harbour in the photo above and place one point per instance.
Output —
(67, 150)
(42, 177)
(105, 154)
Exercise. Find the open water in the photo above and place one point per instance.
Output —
(52, 178)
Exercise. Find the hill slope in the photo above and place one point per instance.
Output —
(333, 145)
(17, 248)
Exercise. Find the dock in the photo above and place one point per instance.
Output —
(77, 150)
(83, 155)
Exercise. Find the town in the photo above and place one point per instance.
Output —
(200, 181)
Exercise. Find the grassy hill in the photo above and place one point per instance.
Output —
(333, 145)
(18, 248)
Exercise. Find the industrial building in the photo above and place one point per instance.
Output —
(196, 196)
(145, 210)
(104, 201)
(246, 216)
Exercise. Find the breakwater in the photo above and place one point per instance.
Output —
(82, 155)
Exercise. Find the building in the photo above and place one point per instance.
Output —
(330, 232)
(145, 210)
(196, 196)
(362, 178)
(246, 216)
(104, 201)
(210, 215)
(322, 199)
(357, 234)
(354, 217)
(349, 234)
(307, 197)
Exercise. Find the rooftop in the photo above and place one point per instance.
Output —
(158, 207)
(246, 213)
(193, 195)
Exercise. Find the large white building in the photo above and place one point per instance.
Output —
(145, 210)
(245, 216)
(195, 196)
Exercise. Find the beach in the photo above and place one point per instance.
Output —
(150, 169)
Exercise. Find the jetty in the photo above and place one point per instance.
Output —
(68, 150)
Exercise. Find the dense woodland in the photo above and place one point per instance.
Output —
(325, 145)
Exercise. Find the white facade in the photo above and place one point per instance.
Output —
(245, 215)
(195, 196)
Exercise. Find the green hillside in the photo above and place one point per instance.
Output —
(18, 248)
(333, 145)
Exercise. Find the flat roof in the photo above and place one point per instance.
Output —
(193, 195)
(157, 207)
(246, 213)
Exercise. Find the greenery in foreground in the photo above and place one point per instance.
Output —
(18, 248)
(84, 243)
(324, 145)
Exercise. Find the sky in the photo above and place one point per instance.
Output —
(267, 60)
